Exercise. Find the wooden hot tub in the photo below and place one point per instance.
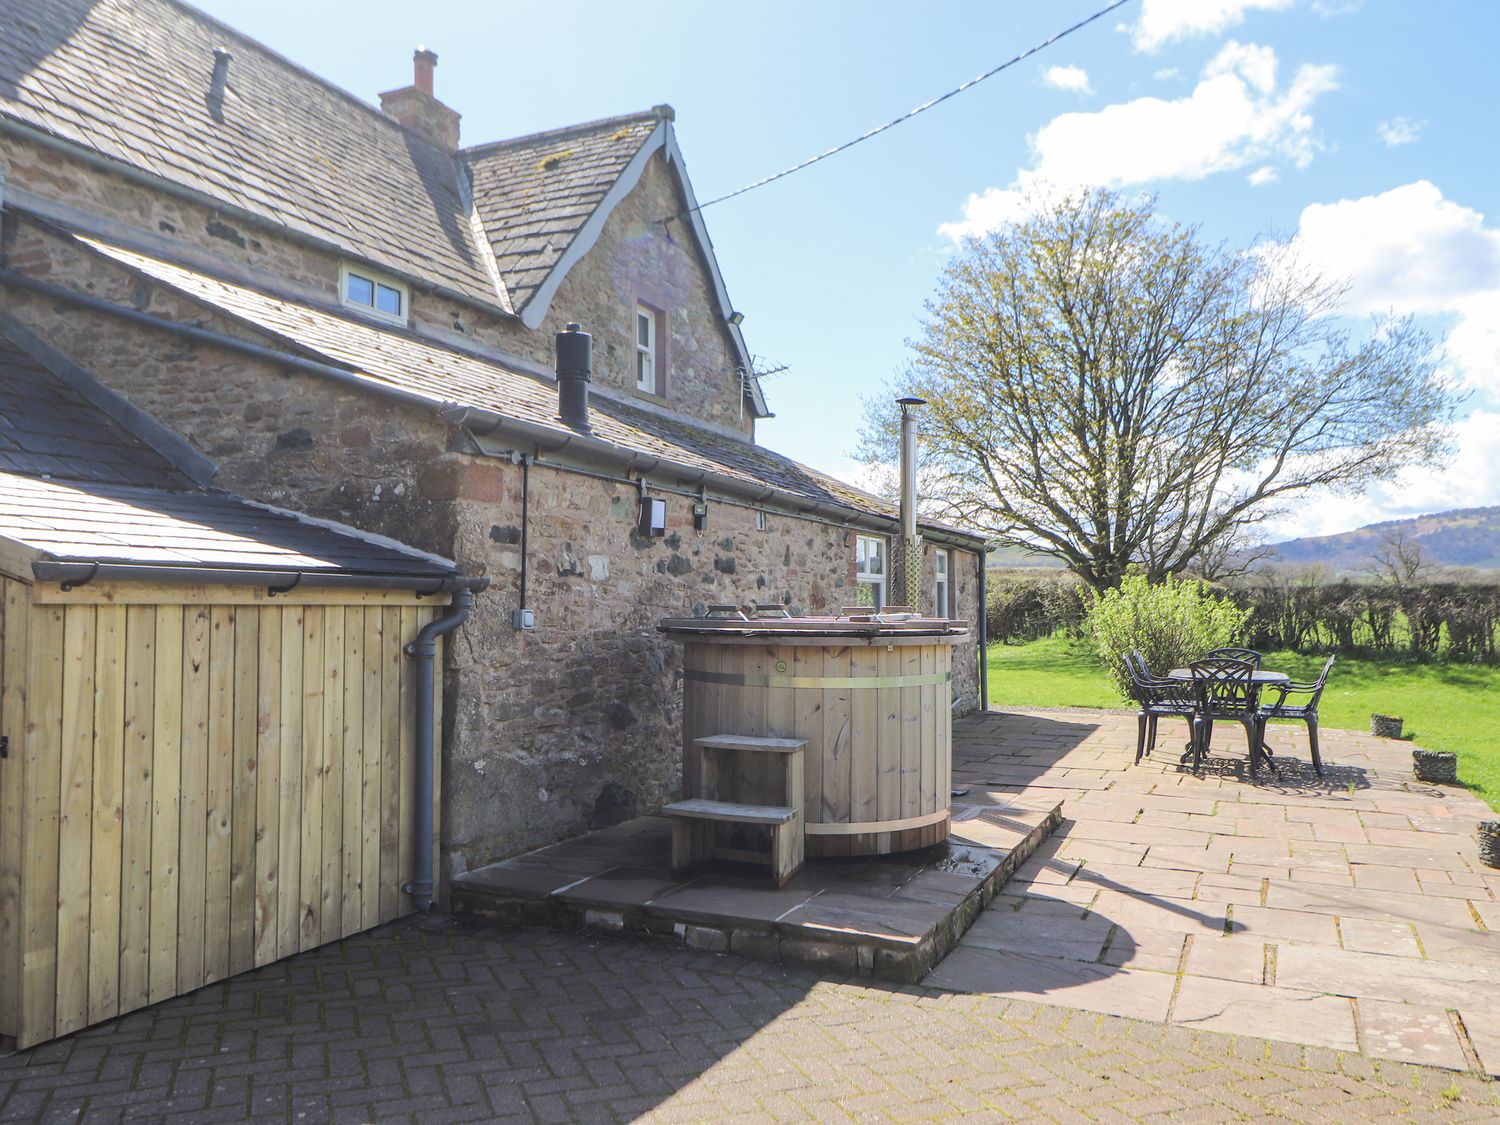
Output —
(871, 696)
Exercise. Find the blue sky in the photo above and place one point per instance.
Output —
(1367, 128)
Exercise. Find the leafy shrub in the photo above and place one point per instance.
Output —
(1170, 624)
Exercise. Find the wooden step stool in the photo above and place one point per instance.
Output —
(696, 822)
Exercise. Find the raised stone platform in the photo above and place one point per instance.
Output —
(890, 917)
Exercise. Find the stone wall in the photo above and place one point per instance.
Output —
(577, 723)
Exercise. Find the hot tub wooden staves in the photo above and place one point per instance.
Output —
(875, 711)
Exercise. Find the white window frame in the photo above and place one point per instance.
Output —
(377, 281)
(645, 352)
(942, 589)
(863, 575)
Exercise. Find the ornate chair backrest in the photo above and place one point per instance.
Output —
(1224, 686)
(1248, 655)
(1321, 683)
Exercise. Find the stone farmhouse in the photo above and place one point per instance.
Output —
(353, 315)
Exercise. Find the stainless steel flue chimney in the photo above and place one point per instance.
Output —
(911, 543)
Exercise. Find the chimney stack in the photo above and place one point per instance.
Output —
(422, 64)
(416, 107)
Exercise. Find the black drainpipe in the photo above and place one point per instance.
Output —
(984, 633)
(422, 651)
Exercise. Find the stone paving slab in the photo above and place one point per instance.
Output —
(1348, 912)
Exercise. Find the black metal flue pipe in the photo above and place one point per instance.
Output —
(575, 369)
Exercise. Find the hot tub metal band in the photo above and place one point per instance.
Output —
(738, 679)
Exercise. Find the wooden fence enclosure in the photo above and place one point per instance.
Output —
(197, 781)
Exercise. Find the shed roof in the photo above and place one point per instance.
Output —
(84, 478)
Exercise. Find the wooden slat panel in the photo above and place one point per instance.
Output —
(135, 841)
(692, 726)
(41, 775)
(15, 615)
(928, 718)
(243, 819)
(390, 762)
(888, 736)
(406, 632)
(75, 823)
(268, 787)
(287, 917)
(911, 735)
(105, 866)
(310, 880)
(781, 717)
(192, 848)
(352, 843)
(864, 768)
(370, 784)
(331, 909)
(219, 815)
(167, 726)
(745, 714)
(836, 752)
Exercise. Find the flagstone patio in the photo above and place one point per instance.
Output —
(1349, 911)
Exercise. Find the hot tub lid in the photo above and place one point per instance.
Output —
(776, 621)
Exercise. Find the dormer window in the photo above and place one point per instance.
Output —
(650, 361)
(370, 293)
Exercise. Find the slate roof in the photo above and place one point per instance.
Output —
(391, 358)
(77, 484)
(132, 79)
(48, 428)
(533, 194)
(92, 522)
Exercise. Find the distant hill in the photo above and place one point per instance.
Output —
(1466, 537)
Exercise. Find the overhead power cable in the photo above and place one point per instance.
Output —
(923, 108)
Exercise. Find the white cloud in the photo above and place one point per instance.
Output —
(1166, 73)
(1263, 175)
(1234, 117)
(1409, 249)
(1164, 21)
(1399, 131)
(1071, 78)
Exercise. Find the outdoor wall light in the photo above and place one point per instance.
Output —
(653, 516)
(700, 515)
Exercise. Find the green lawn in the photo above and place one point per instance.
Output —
(1446, 706)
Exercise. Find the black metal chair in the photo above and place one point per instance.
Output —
(1225, 689)
(1157, 698)
(1307, 712)
(1248, 655)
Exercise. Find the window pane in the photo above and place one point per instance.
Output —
(645, 377)
(388, 300)
(643, 328)
(876, 563)
(942, 563)
(360, 290)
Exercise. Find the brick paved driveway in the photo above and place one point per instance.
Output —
(467, 1025)
(1349, 911)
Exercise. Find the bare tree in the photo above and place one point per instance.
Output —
(1108, 390)
(1400, 560)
